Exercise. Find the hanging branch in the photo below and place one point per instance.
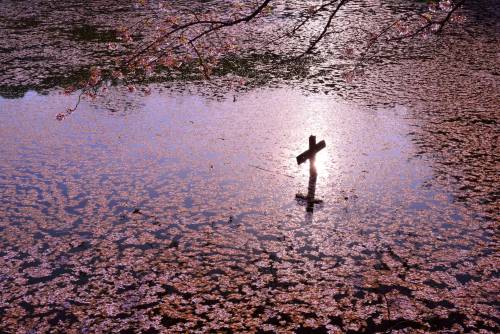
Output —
(206, 37)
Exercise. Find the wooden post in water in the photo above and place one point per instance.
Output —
(312, 158)
(310, 155)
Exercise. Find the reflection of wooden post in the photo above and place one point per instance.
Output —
(310, 155)
(311, 190)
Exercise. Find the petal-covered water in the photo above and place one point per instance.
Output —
(174, 212)
(179, 214)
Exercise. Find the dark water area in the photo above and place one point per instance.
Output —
(177, 211)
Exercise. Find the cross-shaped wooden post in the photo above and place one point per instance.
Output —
(310, 155)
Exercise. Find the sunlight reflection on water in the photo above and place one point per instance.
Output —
(248, 146)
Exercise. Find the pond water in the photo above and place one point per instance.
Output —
(176, 211)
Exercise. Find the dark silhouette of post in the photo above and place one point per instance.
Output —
(310, 155)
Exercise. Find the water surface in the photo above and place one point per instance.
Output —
(176, 211)
(179, 213)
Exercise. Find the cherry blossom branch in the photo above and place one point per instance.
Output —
(214, 26)
(325, 29)
(428, 26)
(450, 13)
(302, 23)
(207, 38)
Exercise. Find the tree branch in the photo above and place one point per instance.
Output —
(325, 29)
